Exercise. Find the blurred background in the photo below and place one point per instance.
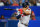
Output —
(8, 12)
(19, 2)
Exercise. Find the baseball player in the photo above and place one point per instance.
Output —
(24, 15)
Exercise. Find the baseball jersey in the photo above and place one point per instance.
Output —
(24, 19)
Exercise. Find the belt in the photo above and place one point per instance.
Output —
(24, 24)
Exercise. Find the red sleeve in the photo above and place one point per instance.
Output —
(20, 11)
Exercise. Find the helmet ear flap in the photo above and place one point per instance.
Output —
(25, 4)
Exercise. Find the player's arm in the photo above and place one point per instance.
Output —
(33, 16)
(28, 12)
(18, 14)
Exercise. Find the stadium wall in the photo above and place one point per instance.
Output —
(8, 13)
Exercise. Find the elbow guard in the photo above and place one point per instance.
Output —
(18, 16)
